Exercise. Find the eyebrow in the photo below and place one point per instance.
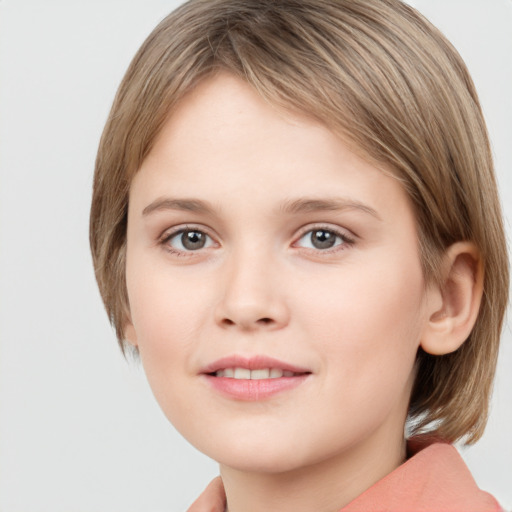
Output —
(291, 206)
(189, 205)
(306, 205)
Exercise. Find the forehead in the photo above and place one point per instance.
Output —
(226, 144)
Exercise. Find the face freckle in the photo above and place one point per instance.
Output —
(308, 264)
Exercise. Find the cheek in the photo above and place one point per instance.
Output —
(380, 299)
(161, 298)
(167, 316)
(167, 322)
(369, 324)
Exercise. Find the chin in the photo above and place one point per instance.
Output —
(256, 455)
(255, 463)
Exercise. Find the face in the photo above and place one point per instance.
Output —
(275, 287)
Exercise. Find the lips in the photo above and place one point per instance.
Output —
(253, 378)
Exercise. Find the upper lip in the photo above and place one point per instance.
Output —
(257, 362)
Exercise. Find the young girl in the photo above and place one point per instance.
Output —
(295, 224)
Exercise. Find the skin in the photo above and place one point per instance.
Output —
(353, 315)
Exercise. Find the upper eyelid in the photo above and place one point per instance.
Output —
(344, 232)
(175, 230)
(305, 229)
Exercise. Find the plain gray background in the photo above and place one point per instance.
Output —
(79, 428)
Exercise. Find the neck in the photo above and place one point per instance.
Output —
(325, 486)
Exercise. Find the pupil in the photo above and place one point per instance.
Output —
(323, 239)
(193, 240)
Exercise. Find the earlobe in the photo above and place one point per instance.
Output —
(454, 305)
(129, 334)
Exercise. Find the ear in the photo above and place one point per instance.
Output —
(453, 306)
(129, 333)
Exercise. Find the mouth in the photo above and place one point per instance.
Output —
(253, 379)
(259, 374)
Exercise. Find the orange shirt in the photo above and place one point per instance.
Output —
(435, 478)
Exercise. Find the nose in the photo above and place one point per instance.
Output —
(252, 294)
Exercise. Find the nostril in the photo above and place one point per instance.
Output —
(265, 320)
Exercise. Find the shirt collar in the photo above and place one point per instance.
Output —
(434, 478)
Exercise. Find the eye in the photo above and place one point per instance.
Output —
(323, 239)
(187, 240)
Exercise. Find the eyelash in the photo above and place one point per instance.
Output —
(346, 240)
(168, 236)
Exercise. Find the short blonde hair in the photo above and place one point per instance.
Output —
(382, 77)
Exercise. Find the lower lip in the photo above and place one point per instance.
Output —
(254, 390)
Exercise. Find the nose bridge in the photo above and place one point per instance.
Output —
(251, 295)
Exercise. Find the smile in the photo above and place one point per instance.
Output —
(260, 374)
(253, 378)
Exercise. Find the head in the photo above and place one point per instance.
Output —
(383, 80)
